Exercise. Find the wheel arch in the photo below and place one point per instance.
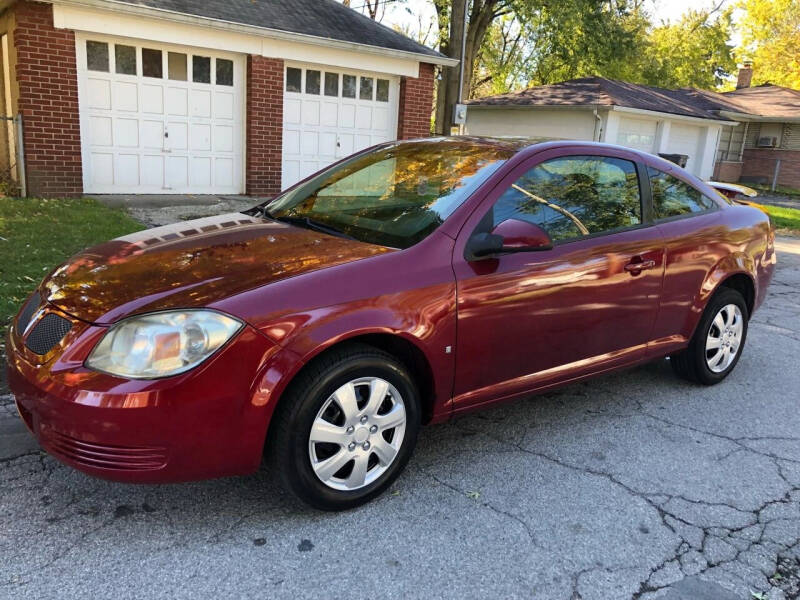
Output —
(409, 353)
(732, 272)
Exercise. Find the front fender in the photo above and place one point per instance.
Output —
(429, 324)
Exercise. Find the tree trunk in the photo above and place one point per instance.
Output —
(480, 18)
(447, 90)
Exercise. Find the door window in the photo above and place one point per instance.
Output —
(176, 66)
(151, 63)
(672, 197)
(125, 59)
(293, 79)
(574, 196)
(224, 71)
(201, 69)
(97, 56)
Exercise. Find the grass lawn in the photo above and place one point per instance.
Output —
(783, 218)
(779, 190)
(38, 235)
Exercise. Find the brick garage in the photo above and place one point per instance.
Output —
(45, 74)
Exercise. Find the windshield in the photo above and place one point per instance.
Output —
(395, 195)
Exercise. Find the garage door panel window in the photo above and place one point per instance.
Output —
(97, 56)
(673, 198)
(332, 84)
(224, 71)
(312, 82)
(152, 65)
(201, 69)
(365, 91)
(177, 66)
(294, 80)
(125, 59)
(575, 196)
(382, 91)
(349, 86)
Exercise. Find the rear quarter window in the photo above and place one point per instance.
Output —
(674, 198)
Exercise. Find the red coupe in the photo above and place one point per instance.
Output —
(404, 285)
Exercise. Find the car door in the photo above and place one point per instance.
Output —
(695, 240)
(530, 319)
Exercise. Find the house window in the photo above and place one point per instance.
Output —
(176, 63)
(97, 56)
(152, 65)
(365, 91)
(294, 78)
(382, 91)
(312, 82)
(224, 71)
(201, 69)
(125, 59)
(331, 84)
(349, 86)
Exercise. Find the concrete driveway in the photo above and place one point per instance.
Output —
(634, 485)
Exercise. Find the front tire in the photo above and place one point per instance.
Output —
(346, 428)
(718, 342)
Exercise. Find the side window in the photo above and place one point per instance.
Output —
(672, 197)
(574, 196)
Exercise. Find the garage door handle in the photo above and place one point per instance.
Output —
(637, 267)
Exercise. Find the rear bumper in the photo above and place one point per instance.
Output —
(210, 422)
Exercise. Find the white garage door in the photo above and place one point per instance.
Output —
(638, 134)
(685, 139)
(331, 113)
(160, 119)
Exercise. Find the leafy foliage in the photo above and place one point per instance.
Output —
(771, 39)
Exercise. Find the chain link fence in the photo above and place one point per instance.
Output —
(12, 157)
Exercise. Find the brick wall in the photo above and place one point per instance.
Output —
(416, 104)
(728, 171)
(48, 100)
(759, 166)
(264, 125)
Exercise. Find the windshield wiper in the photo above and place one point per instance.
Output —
(309, 223)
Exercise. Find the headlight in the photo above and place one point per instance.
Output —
(161, 344)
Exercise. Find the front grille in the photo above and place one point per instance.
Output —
(27, 312)
(48, 332)
(101, 456)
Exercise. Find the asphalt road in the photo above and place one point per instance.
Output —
(634, 485)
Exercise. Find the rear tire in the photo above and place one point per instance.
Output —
(346, 428)
(718, 341)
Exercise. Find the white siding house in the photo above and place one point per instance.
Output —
(596, 109)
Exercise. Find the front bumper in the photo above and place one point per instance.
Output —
(209, 422)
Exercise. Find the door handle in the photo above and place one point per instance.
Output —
(637, 267)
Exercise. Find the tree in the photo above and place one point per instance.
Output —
(450, 16)
(693, 52)
(771, 39)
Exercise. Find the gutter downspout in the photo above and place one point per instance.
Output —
(598, 125)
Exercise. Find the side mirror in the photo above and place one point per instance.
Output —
(512, 235)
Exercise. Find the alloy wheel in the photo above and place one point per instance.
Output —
(357, 433)
(724, 338)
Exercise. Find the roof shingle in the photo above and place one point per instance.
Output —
(600, 91)
(319, 18)
(769, 101)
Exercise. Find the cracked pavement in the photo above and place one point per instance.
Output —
(633, 485)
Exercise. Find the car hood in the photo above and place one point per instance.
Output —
(191, 264)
